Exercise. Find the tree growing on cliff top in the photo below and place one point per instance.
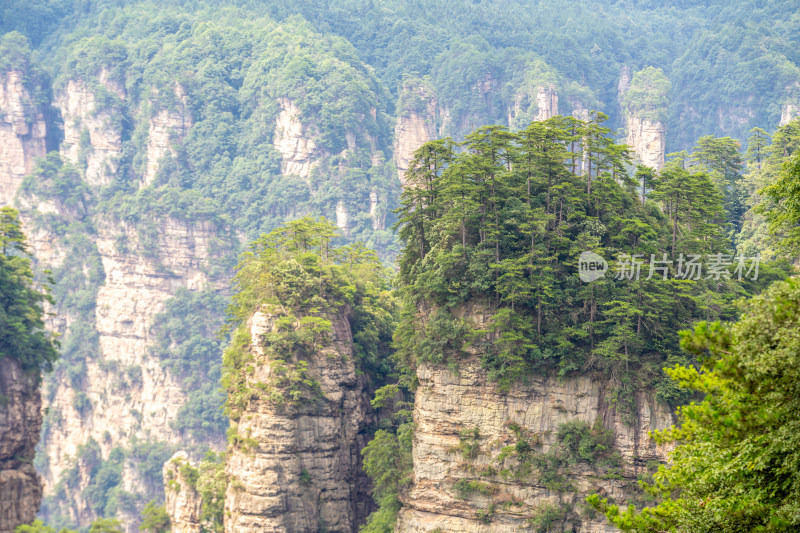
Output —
(648, 94)
(22, 333)
(737, 464)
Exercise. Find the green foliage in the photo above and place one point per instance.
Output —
(784, 217)
(648, 95)
(496, 230)
(154, 518)
(184, 341)
(735, 467)
(209, 480)
(22, 334)
(721, 158)
(106, 525)
(576, 442)
(547, 515)
(469, 443)
(15, 52)
(580, 442)
(297, 274)
(465, 488)
(766, 160)
(387, 461)
(37, 526)
(236, 71)
(105, 493)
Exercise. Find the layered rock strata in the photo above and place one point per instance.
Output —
(139, 277)
(299, 153)
(451, 404)
(297, 465)
(167, 128)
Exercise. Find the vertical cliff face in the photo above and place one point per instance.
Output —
(647, 139)
(20, 422)
(92, 134)
(295, 464)
(416, 124)
(183, 503)
(22, 140)
(788, 113)
(470, 470)
(791, 105)
(168, 125)
(546, 102)
(126, 393)
(298, 150)
(530, 103)
(22, 133)
(643, 99)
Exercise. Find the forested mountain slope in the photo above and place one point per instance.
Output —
(145, 144)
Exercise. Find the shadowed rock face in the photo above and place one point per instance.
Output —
(20, 423)
(301, 471)
(448, 403)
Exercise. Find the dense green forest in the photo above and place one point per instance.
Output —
(731, 60)
(496, 229)
(496, 215)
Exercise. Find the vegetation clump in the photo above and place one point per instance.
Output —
(304, 282)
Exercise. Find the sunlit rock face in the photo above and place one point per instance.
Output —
(182, 502)
(414, 127)
(92, 134)
(301, 471)
(457, 406)
(167, 128)
(22, 133)
(648, 140)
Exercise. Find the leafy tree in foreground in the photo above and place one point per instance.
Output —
(106, 525)
(154, 518)
(37, 526)
(737, 463)
(784, 217)
(22, 333)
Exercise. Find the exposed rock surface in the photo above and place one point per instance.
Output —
(788, 113)
(168, 126)
(624, 82)
(448, 403)
(521, 110)
(20, 423)
(139, 277)
(648, 140)
(298, 150)
(183, 503)
(414, 127)
(302, 470)
(546, 102)
(22, 133)
(82, 118)
(342, 218)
